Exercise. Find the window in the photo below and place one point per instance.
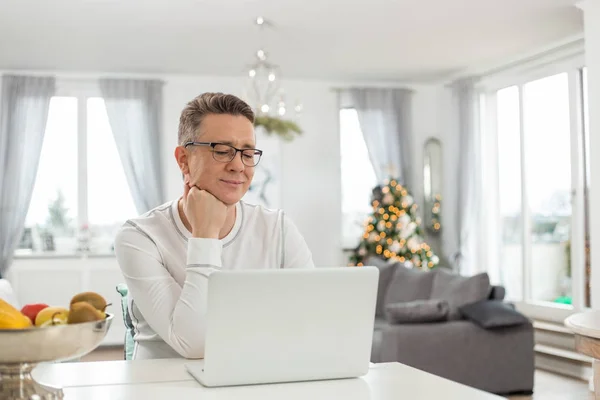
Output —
(109, 199)
(547, 155)
(358, 178)
(509, 174)
(51, 223)
(539, 150)
(81, 196)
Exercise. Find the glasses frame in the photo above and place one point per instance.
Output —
(236, 150)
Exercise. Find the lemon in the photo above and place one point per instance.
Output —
(52, 316)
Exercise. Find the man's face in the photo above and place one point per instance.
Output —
(227, 181)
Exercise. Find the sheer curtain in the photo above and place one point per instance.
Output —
(462, 239)
(134, 109)
(384, 117)
(23, 115)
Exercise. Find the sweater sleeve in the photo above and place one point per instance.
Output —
(175, 313)
(296, 253)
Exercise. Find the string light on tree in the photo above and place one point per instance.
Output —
(436, 225)
(393, 231)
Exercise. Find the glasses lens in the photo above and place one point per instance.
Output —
(251, 157)
(223, 152)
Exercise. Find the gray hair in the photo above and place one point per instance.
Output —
(209, 103)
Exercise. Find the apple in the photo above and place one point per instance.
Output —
(31, 310)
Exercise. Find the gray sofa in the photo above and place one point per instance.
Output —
(452, 326)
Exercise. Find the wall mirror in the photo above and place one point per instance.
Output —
(432, 185)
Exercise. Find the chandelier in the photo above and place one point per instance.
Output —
(264, 91)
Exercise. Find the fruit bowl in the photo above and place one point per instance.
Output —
(22, 349)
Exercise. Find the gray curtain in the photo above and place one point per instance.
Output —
(462, 238)
(384, 117)
(23, 115)
(134, 110)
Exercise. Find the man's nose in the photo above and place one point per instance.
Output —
(236, 164)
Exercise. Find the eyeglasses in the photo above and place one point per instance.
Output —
(225, 153)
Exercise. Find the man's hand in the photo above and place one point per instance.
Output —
(205, 213)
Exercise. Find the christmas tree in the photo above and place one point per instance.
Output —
(393, 231)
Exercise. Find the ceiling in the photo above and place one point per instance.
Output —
(327, 39)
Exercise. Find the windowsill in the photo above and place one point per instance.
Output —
(545, 311)
(55, 256)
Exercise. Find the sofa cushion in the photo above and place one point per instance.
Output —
(418, 311)
(386, 271)
(459, 290)
(409, 284)
(491, 314)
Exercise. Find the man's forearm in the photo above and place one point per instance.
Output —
(188, 325)
(176, 313)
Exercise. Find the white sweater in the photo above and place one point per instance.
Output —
(167, 271)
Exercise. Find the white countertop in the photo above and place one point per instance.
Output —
(168, 379)
(585, 324)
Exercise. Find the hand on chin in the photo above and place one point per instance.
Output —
(228, 196)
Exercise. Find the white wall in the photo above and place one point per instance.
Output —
(431, 119)
(431, 109)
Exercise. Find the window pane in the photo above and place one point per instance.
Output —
(509, 162)
(51, 221)
(358, 178)
(547, 137)
(109, 199)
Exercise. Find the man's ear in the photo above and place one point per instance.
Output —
(181, 156)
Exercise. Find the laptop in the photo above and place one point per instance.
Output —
(287, 325)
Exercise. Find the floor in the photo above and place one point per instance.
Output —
(105, 354)
(548, 386)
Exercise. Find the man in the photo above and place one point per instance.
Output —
(167, 254)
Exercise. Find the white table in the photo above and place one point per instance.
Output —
(586, 327)
(168, 379)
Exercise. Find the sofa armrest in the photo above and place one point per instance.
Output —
(497, 293)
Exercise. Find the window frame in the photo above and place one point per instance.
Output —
(570, 60)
